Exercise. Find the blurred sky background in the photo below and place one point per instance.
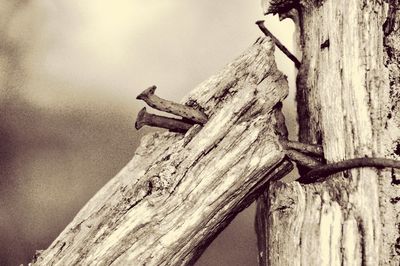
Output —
(69, 74)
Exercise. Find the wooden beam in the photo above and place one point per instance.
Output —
(179, 191)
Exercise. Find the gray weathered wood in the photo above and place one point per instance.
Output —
(180, 191)
(346, 103)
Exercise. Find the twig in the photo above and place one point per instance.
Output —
(171, 107)
(332, 168)
(262, 27)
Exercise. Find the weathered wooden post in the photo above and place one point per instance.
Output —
(348, 89)
(180, 190)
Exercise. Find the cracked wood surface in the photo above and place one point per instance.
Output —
(179, 191)
(348, 100)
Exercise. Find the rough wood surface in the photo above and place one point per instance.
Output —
(349, 102)
(390, 184)
(180, 191)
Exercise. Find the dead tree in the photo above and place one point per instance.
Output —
(180, 190)
(348, 89)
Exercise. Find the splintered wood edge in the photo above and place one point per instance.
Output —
(277, 6)
(176, 194)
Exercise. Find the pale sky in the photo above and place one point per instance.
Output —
(118, 48)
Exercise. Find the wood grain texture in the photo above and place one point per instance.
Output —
(348, 101)
(180, 191)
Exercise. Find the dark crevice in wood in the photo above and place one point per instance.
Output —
(397, 246)
(390, 22)
(397, 149)
(325, 44)
(395, 178)
(395, 200)
(362, 241)
(260, 228)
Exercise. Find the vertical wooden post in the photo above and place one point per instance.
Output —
(348, 100)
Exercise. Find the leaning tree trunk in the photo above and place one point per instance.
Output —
(348, 90)
(179, 191)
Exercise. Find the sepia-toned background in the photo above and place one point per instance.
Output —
(69, 74)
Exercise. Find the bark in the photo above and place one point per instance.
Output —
(179, 191)
(348, 90)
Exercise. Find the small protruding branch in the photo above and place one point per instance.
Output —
(328, 169)
(146, 119)
(312, 149)
(171, 107)
(262, 27)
